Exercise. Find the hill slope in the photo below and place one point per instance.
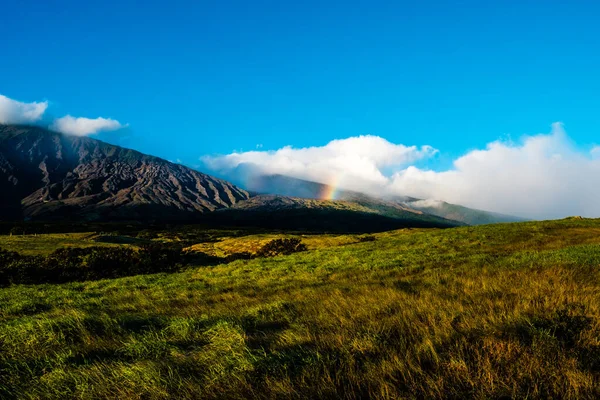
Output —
(282, 212)
(45, 174)
(455, 212)
(288, 186)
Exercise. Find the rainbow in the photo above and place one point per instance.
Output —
(330, 191)
(315, 189)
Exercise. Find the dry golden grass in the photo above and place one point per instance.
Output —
(252, 243)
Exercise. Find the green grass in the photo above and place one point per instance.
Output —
(498, 311)
(44, 244)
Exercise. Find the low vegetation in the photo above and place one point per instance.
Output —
(281, 247)
(499, 311)
(71, 264)
(91, 263)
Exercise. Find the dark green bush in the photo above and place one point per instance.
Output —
(73, 264)
(239, 256)
(6, 257)
(367, 238)
(92, 263)
(281, 247)
(17, 230)
(147, 234)
(156, 257)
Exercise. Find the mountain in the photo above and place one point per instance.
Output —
(284, 212)
(288, 186)
(296, 193)
(455, 212)
(44, 174)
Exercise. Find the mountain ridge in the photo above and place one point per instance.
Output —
(49, 174)
(282, 212)
(277, 184)
(45, 175)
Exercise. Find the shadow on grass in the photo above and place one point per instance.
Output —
(564, 326)
(141, 323)
(559, 332)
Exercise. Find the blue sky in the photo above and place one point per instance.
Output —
(203, 78)
(217, 76)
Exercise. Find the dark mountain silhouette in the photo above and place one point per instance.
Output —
(48, 175)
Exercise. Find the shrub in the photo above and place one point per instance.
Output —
(147, 234)
(281, 247)
(366, 238)
(239, 256)
(92, 263)
(17, 230)
(111, 262)
(155, 257)
(6, 257)
(15, 268)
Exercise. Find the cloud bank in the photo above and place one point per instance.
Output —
(84, 126)
(354, 163)
(542, 176)
(17, 112)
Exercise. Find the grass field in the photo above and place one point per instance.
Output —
(496, 311)
(45, 244)
(252, 243)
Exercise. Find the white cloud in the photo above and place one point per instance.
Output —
(84, 126)
(16, 112)
(542, 176)
(354, 163)
(426, 203)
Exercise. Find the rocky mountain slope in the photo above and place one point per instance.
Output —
(45, 174)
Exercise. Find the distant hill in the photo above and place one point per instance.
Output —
(288, 186)
(48, 175)
(283, 212)
(455, 212)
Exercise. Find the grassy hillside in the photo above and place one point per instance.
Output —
(502, 311)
